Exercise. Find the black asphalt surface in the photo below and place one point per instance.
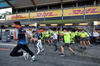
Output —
(89, 57)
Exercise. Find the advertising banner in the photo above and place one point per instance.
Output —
(92, 10)
(80, 11)
(37, 15)
(73, 12)
(11, 17)
(23, 16)
(19, 16)
(56, 13)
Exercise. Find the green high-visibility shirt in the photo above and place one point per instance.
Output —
(72, 35)
(83, 34)
(76, 33)
(67, 37)
(46, 34)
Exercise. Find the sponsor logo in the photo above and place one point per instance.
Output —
(18, 16)
(46, 14)
(87, 11)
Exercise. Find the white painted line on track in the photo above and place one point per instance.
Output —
(4, 44)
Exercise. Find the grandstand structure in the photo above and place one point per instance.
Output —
(52, 12)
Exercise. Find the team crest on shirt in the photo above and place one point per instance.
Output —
(22, 30)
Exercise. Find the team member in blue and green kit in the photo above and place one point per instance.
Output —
(67, 42)
(39, 42)
(34, 36)
(22, 44)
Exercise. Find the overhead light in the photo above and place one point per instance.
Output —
(79, 28)
(69, 24)
(42, 24)
(32, 25)
(54, 24)
(6, 25)
(35, 24)
(22, 25)
(98, 23)
(83, 23)
(95, 22)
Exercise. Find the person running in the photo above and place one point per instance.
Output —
(61, 37)
(34, 36)
(88, 39)
(54, 36)
(76, 36)
(39, 42)
(51, 38)
(47, 35)
(56, 32)
(72, 37)
(42, 38)
(79, 35)
(67, 42)
(22, 44)
(83, 36)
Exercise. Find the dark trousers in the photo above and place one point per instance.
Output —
(91, 40)
(95, 40)
(55, 44)
(29, 40)
(34, 43)
(76, 39)
(18, 47)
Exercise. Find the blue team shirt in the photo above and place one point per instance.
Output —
(21, 36)
(37, 35)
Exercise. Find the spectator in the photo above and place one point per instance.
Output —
(95, 37)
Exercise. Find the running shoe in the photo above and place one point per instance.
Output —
(90, 45)
(56, 50)
(33, 59)
(74, 53)
(26, 55)
(62, 54)
(42, 50)
(38, 52)
(85, 48)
